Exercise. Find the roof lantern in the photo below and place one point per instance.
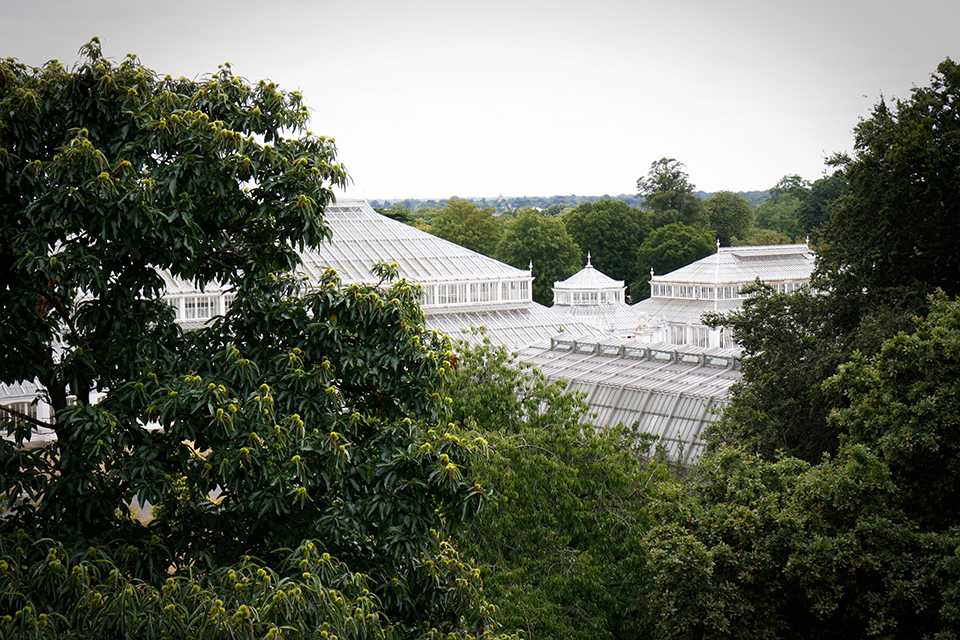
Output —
(596, 299)
(588, 287)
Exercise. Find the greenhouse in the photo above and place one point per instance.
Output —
(667, 379)
(462, 289)
(668, 391)
(673, 312)
(596, 299)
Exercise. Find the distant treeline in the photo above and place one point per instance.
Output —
(501, 203)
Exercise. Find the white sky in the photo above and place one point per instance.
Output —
(435, 98)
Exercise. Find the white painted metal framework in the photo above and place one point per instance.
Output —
(462, 289)
(679, 299)
(595, 298)
(672, 392)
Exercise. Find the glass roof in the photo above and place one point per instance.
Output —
(609, 317)
(10, 394)
(513, 328)
(683, 310)
(589, 279)
(362, 238)
(17, 390)
(670, 391)
(743, 265)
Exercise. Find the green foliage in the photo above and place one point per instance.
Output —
(548, 205)
(755, 198)
(863, 543)
(674, 246)
(779, 214)
(790, 345)
(51, 591)
(355, 489)
(765, 236)
(730, 215)
(557, 545)
(799, 209)
(557, 209)
(610, 231)
(757, 549)
(905, 403)
(895, 225)
(544, 241)
(306, 413)
(397, 212)
(324, 426)
(790, 184)
(469, 226)
(109, 173)
(814, 212)
(490, 389)
(668, 194)
(889, 243)
(667, 249)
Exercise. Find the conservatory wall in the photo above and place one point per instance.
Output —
(678, 300)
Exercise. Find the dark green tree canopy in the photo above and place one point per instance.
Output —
(798, 208)
(667, 249)
(397, 211)
(865, 539)
(790, 345)
(611, 231)
(556, 209)
(544, 241)
(730, 215)
(468, 225)
(890, 241)
(668, 194)
(779, 214)
(756, 549)
(905, 402)
(109, 173)
(767, 236)
(306, 592)
(814, 211)
(307, 418)
(790, 184)
(555, 546)
(895, 226)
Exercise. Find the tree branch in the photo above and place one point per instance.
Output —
(22, 416)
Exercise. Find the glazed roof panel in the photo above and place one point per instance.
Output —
(681, 310)
(742, 265)
(665, 376)
(589, 279)
(16, 391)
(511, 327)
(362, 238)
(609, 317)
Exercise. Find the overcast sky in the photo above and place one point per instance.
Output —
(435, 98)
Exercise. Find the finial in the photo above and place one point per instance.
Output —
(718, 244)
(531, 266)
(588, 259)
(651, 273)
